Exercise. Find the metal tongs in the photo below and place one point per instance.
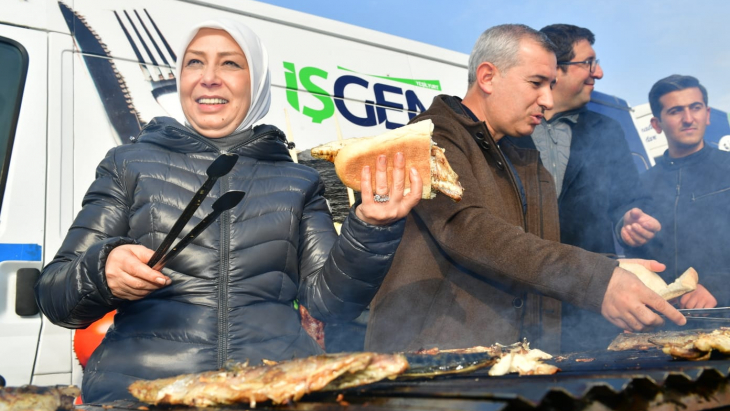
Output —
(220, 167)
(700, 318)
(713, 314)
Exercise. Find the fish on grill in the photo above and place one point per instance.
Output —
(493, 350)
(699, 347)
(443, 363)
(29, 397)
(504, 359)
(279, 382)
(381, 366)
(647, 341)
(522, 359)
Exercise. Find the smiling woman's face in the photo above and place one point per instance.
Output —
(215, 83)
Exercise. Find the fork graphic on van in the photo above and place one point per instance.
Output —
(154, 56)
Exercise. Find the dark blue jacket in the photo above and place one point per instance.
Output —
(233, 287)
(601, 183)
(692, 200)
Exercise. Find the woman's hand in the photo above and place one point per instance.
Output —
(128, 275)
(398, 205)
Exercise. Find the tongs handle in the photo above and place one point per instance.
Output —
(220, 167)
(226, 202)
(706, 313)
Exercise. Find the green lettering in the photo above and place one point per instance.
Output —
(292, 88)
(328, 107)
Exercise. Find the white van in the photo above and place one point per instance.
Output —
(81, 76)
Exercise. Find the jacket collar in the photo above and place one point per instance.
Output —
(517, 153)
(570, 115)
(266, 143)
(454, 104)
(692, 159)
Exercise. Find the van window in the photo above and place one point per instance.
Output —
(14, 67)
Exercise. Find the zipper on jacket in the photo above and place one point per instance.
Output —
(676, 206)
(223, 281)
(224, 252)
(709, 194)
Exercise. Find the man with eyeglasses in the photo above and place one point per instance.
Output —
(599, 192)
(490, 268)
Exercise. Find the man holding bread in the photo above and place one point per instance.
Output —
(599, 193)
(690, 184)
(490, 268)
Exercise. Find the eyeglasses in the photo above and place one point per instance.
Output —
(592, 64)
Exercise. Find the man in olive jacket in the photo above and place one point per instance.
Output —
(489, 268)
(599, 192)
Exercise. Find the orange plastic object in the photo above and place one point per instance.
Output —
(86, 340)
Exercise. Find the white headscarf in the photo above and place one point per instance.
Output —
(258, 65)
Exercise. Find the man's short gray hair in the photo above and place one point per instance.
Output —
(500, 45)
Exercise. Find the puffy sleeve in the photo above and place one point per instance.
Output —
(72, 290)
(341, 274)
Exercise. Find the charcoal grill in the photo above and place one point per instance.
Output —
(625, 380)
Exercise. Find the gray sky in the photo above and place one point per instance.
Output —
(638, 41)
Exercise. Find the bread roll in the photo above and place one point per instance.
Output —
(413, 140)
(687, 282)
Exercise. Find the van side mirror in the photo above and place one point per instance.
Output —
(25, 304)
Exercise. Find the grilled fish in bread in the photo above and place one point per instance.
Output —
(414, 141)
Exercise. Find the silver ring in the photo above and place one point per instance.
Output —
(381, 198)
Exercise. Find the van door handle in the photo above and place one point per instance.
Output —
(25, 303)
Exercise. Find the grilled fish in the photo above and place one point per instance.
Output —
(520, 358)
(504, 359)
(381, 366)
(280, 382)
(646, 341)
(700, 346)
(443, 363)
(29, 397)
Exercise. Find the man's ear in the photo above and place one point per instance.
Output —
(486, 72)
(656, 125)
(708, 115)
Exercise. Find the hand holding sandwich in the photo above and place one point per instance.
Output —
(398, 204)
(628, 302)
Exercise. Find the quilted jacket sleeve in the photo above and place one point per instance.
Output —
(72, 290)
(340, 275)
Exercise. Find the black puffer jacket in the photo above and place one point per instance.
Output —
(691, 196)
(232, 289)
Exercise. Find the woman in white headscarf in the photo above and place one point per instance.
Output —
(231, 294)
